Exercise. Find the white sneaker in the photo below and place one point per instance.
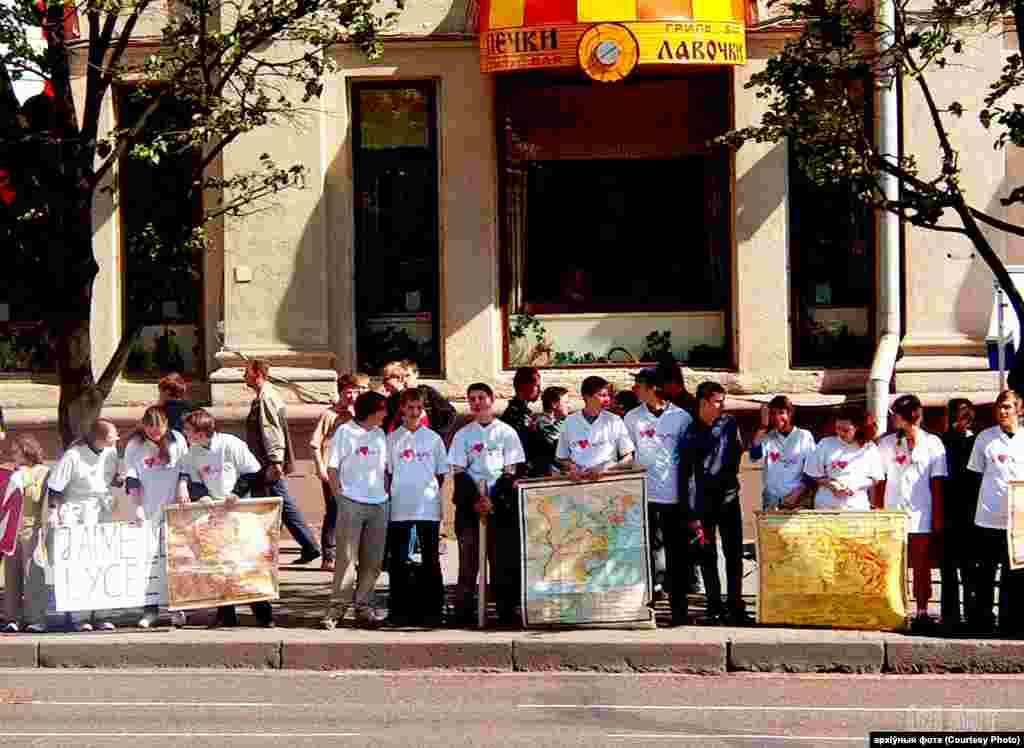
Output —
(83, 626)
(36, 628)
(10, 628)
(178, 619)
(107, 626)
(147, 621)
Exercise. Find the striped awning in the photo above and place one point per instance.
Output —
(609, 38)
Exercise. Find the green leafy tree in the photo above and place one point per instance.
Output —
(815, 91)
(231, 67)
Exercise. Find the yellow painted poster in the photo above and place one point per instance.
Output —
(1015, 537)
(585, 557)
(220, 556)
(832, 569)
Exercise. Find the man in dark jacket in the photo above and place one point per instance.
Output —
(710, 453)
(962, 486)
(520, 417)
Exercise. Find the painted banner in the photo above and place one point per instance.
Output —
(107, 566)
(1015, 536)
(585, 556)
(833, 569)
(220, 556)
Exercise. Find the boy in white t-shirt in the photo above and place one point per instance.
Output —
(656, 426)
(358, 472)
(418, 464)
(219, 466)
(594, 440)
(998, 455)
(915, 471)
(484, 455)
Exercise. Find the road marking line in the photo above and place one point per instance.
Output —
(179, 735)
(720, 708)
(158, 704)
(739, 736)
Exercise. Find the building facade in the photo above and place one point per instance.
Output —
(530, 181)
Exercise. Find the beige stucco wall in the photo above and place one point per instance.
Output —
(298, 309)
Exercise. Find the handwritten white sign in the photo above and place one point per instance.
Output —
(110, 565)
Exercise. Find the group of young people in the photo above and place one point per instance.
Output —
(384, 457)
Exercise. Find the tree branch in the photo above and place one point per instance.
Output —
(996, 223)
(118, 360)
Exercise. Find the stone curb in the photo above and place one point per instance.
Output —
(714, 655)
(465, 655)
(807, 657)
(704, 658)
(937, 656)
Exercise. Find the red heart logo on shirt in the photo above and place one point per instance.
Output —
(900, 459)
(1003, 457)
(478, 447)
(583, 443)
(650, 433)
(408, 454)
(774, 457)
(364, 451)
(839, 464)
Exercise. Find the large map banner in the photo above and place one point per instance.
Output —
(1015, 536)
(834, 569)
(220, 556)
(585, 557)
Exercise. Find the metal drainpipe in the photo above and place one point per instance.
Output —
(884, 363)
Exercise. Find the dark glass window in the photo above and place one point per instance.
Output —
(396, 210)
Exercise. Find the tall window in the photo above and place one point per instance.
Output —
(615, 231)
(832, 273)
(396, 210)
(162, 271)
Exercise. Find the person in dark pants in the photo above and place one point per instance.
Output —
(350, 386)
(418, 463)
(266, 431)
(656, 428)
(998, 456)
(958, 561)
(520, 417)
(710, 453)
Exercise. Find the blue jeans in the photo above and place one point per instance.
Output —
(291, 515)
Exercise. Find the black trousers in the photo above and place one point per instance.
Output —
(959, 576)
(263, 611)
(669, 519)
(421, 598)
(993, 553)
(722, 517)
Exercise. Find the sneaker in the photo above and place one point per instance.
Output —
(178, 619)
(36, 628)
(106, 626)
(83, 626)
(10, 628)
(369, 620)
(148, 620)
(327, 566)
(306, 557)
(267, 624)
(327, 623)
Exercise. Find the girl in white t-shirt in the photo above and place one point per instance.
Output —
(784, 452)
(152, 466)
(846, 466)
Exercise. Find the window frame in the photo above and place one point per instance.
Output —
(505, 272)
(431, 87)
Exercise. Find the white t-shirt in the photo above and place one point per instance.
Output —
(82, 474)
(159, 479)
(785, 460)
(908, 476)
(592, 444)
(361, 458)
(657, 448)
(1000, 459)
(856, 467)
(485, 451)
(415, 459)
(218, 466)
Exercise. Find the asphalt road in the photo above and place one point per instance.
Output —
(258, 708)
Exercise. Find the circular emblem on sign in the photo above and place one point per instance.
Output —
(608, 52)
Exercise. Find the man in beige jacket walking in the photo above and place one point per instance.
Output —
(266, 433)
